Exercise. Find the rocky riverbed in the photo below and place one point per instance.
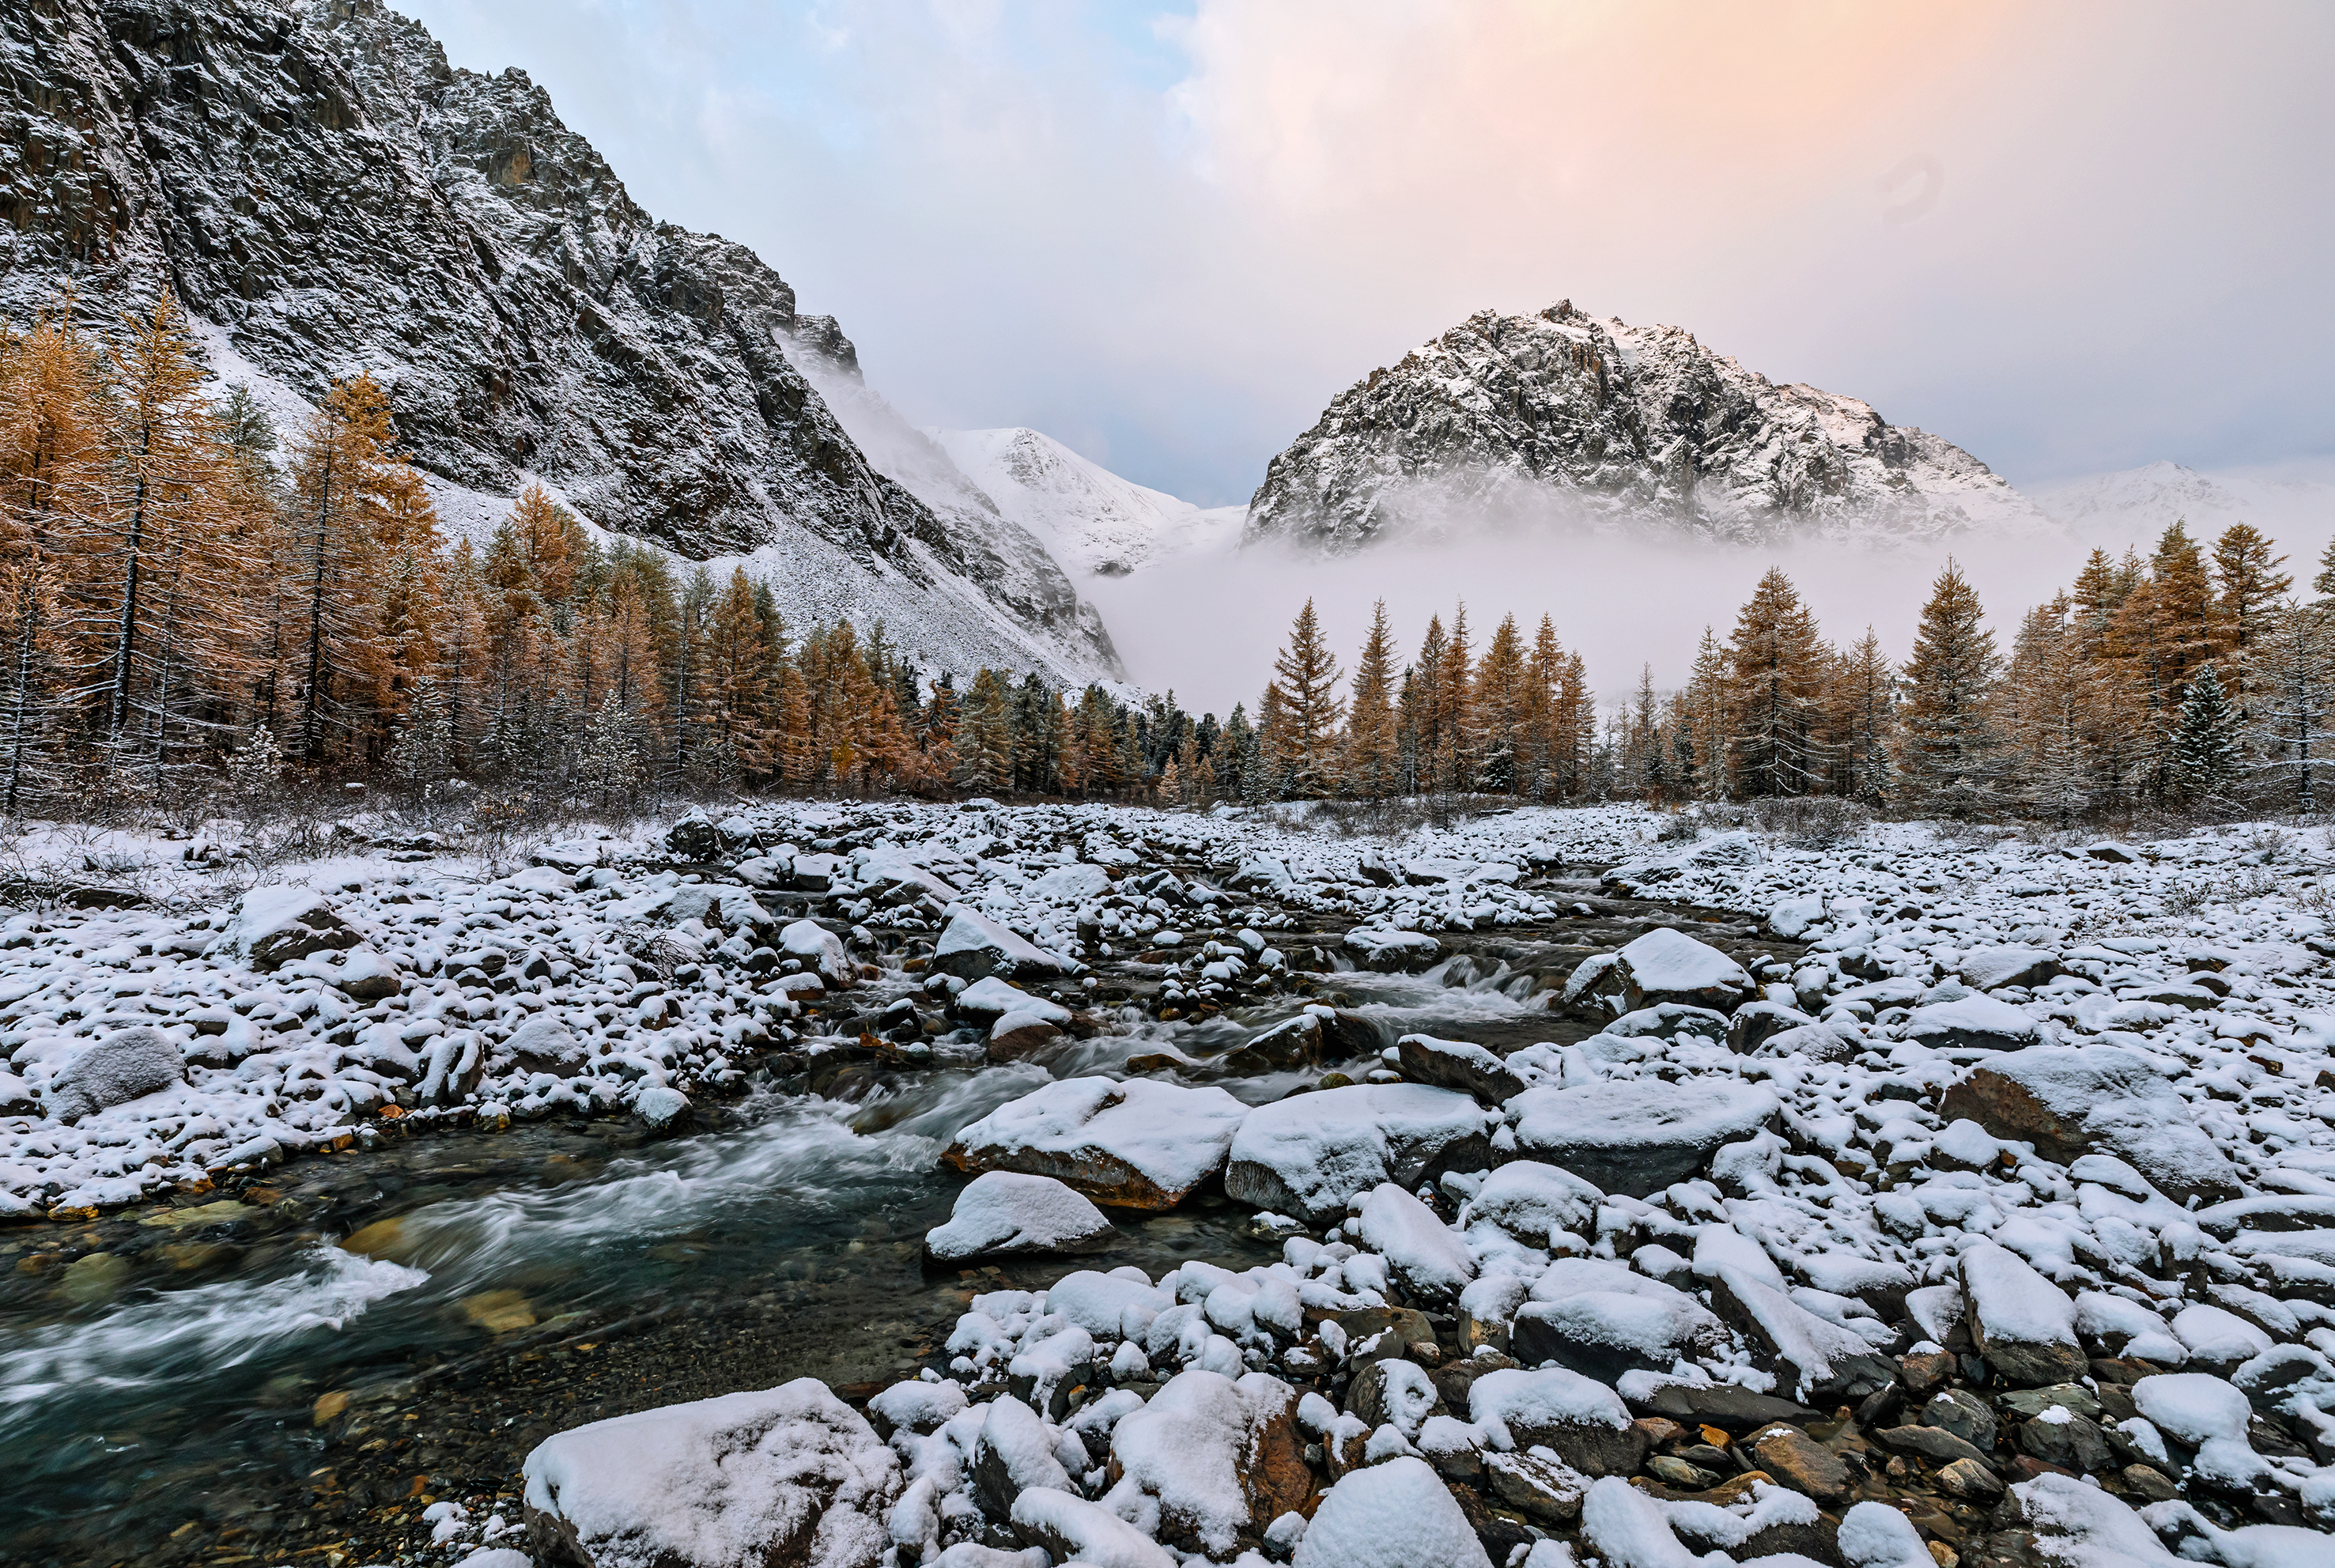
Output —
(1430, 1195)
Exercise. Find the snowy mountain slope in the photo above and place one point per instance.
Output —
(321, 184)
(1563, 419)
(998, 552)
(2296, 505)
(948, 622)
(1096, 523)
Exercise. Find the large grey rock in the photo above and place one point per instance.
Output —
(1580, 1420)
(126, 1065)
(1306, 1155)
(1458, 1065)
(1973, 1023)
(2024, 1324)
(1603, 1318)
(783, 1475)
(1136, 1144)
(973, 946)
(2072, 1101)
(1637, 1137)
(1813, 1357)
(1004, 1214)
(1663, 966)
(1013, 1450)
(1215, 1459)
(275, 924)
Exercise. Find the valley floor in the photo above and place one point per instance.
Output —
(1559, 1184)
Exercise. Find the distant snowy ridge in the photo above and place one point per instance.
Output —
(1567, 420)
(2294, 504)
(1096, 523)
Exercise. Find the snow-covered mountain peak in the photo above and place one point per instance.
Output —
(1096, 522)
(1562, 418)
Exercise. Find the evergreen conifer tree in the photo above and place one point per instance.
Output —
(1776, 681)
(1949, 757)
(2205, 741)
(1371, 758)
(1306, 675)
(1501, 705)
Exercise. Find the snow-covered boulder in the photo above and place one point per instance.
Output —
(1137, 1145)
(1665, 965)
(694, 839)
(545, 1043)
(786, 1474)
(1458, 1065)
(364, 975)
(1637, 1137)
(971, 945)
(1530, 1200)
(1074, 884)
(2072, 1101)
(1002, 1214)
(570, 855)
(1756, 1023)
(662, 1108)
(126, 1065)
(1578, 1418)
(2083, 1527)
(2024, 1325)
(1790, 918)
(1013, 1449)
(1391, 952)
(1111, 1306)
(1018, 1036)
(1070, 1529)
(1397, 1515)
(1993, 968)
(1214, 1459)
(276, 923)
(1819, 1043)
(1602, 1319)
(989, 999)
(1973, 1023)
(1307, 1155)
(819, 949)
(1810, 1356)
(2208, 1415)
(1431, 1262)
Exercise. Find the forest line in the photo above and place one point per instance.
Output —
(182, 588)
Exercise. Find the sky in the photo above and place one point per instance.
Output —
(2071, 237)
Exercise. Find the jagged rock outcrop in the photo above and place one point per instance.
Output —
(1564, 418)
(319, 182)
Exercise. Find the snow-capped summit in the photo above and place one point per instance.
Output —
(1564, 419)
(1095, 522)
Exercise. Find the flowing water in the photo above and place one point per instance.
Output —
(241, 1386)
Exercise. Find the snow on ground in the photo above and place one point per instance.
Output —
(1920, 1177)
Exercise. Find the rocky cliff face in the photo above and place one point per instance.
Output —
(317, 180)
(1563, 417)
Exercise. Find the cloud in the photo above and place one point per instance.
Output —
(1169, 238)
